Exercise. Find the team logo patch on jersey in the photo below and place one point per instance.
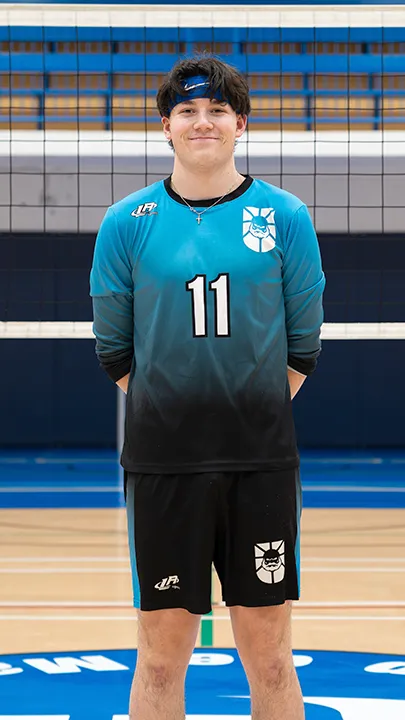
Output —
(270, 561)
(144, 209)
(259, 229)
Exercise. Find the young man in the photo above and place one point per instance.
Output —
(207, 292)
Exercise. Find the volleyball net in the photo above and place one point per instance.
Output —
(79, 130)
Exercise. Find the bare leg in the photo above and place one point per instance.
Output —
(166, 639)
(263, 638)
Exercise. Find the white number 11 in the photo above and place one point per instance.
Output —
(220, 287)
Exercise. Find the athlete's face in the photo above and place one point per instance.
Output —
(203, 131)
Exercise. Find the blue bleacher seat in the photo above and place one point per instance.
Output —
(371, 60)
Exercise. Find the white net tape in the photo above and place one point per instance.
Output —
(201, 16)
(83, 331)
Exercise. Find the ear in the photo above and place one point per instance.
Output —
(241, 122)
(166, 128)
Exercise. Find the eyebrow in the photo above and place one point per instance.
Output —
(213, 101)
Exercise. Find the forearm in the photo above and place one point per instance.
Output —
(296, 381)
(123, 383)
(113, 327)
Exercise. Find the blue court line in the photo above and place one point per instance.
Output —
(100, 456)
(351, 488)
(62, 499)
(78, 489)
(80, 478)
(114, 498)
(10, 486)
(55, 461)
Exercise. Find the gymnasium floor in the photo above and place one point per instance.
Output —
(68, 632)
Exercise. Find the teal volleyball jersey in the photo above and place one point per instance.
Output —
(207, 316)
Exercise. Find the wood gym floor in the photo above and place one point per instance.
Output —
(65, 576)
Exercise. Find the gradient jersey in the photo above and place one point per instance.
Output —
(207, 317)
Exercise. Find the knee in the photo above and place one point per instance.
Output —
(274, 671)
(157, 675)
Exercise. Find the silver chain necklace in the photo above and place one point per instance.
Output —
(208, 208)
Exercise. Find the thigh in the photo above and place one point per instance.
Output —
(171, 528)
(262, 634)
(262, 563)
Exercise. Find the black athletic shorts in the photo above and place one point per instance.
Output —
(246, 523)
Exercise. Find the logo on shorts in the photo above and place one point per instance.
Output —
(169, 582)
(270, 561)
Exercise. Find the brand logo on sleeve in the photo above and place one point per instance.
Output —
(259, 229)
(144, 209)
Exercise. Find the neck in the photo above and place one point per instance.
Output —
(203, 185)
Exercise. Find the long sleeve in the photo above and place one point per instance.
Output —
(303, 283)
(111, 288)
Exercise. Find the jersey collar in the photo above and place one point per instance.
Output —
(210, 201)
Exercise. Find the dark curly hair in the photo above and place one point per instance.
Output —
(222, 77)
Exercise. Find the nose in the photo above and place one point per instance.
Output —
(203, 121)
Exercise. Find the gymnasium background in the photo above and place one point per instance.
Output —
(79, 130)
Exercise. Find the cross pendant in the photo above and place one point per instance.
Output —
(199, 219)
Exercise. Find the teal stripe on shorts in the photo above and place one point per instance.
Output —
(131, 540)
(298, 539)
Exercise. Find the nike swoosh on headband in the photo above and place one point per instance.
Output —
(192, 87)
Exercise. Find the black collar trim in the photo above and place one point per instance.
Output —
(207, 203)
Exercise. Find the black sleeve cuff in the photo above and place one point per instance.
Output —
(116, 368)
(305, 366)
